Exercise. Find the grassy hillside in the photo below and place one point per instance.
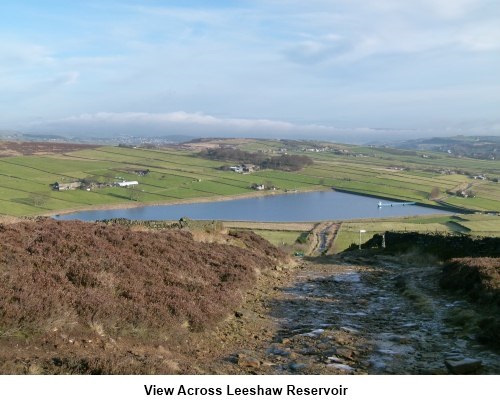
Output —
(179, 174)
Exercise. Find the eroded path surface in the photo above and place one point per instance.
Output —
(369, 316)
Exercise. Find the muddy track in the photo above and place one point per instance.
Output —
(357, 317)
(323, 235)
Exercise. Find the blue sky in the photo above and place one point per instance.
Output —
(317, 68)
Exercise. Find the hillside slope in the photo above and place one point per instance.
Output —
(79, 297)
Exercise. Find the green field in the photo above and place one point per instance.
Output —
(349, 231)
(175, 175)
(475, 225)
(279, 238)
(286, 234)
(486, 225)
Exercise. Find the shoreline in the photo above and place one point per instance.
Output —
(243, 223)
(440, 206)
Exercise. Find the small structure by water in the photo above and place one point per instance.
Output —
(392, 204)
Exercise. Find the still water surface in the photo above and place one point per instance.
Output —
(297, 207)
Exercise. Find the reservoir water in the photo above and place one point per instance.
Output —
(291, 207)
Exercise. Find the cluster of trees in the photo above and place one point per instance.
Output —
(283, 162)
(435, 192)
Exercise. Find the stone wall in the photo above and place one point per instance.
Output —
(444, 246)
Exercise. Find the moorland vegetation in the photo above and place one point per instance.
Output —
(77, 297)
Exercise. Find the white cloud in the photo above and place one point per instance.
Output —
(183, 123)
(184, 118)
(24, 52)
(316, 49)
(20, 55)
(341, 62)
(484, 37)
(452, 9)
(363, 29)
(105, 124)
(66, 78)
(444, 9)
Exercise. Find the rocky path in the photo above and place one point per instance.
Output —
(369, 316)
(323, 236)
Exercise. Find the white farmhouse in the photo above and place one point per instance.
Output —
(127, 183)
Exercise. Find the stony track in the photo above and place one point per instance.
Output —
(361, 316)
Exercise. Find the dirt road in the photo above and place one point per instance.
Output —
(322, 235)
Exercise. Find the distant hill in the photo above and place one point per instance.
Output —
(10, 135)
(143, 140)
(478, 147)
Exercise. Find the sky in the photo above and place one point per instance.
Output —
(323, 69)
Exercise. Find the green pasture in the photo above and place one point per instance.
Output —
(477, 203)
(349, 231)
(279, 238)
(179, 174)
(481, 224)
(475, 225)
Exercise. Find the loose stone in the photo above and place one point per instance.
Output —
(464, 366)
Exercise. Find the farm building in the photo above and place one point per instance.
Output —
(249, 168)
(244, 168)
(66, 186)
(127, 183)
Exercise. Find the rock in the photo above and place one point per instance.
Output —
(308, 351)
(346, 353)
(455, 356)
(409, 325)
(378, 365)
(398, 339)
(327, 353)
(461, 344)
(278, 351)
(342, 340)
(334, 359)
(349, 330)
(314, 333)
(248, 362)
(429, 357)
(297, 366)
(386, 351)
(324, 346)
(464, 366)
(343, 367)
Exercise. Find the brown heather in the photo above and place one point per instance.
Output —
(478, 278)
(104, 282)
